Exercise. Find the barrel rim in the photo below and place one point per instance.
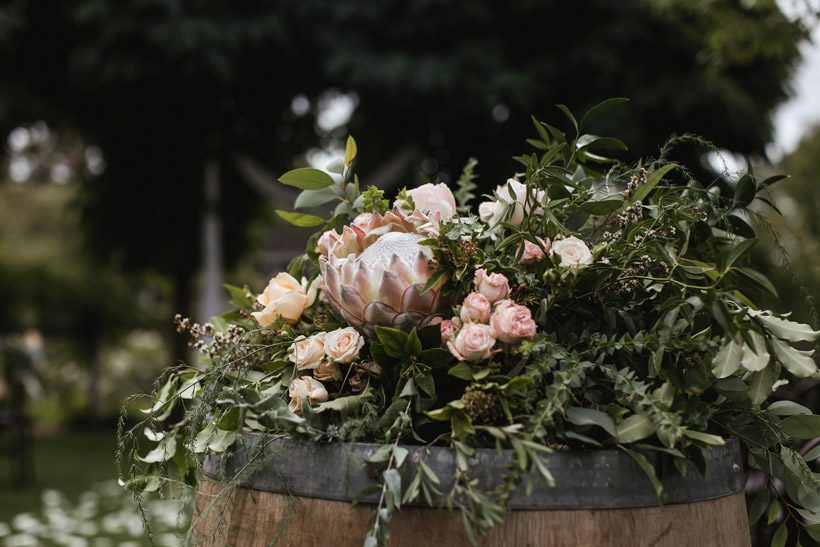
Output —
(584, 479)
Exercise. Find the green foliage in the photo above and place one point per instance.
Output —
(466, 186)
(307, 178)
(373, 201)
(652, 342)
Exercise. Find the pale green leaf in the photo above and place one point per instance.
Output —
(799, 363)
(164, 451)
(221, 440)
(307, 178)
(761, 384)
(314, 198)
(706, 438)
(634, 428)
(756, 358)
(780, 536)
(300, 219)
(589, 416)
(345, 405)
(152, 435)
(350, 150)
(783, 328)
(652, 181)
(203, 438)
(759, 505)
(787, 408)
(801, 426)
(727, 360)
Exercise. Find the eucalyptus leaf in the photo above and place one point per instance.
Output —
(755, 358)
(300, 219)
(164, 451)
(307, 178)
(759, 505)
(727, 360)
(600, 109)
(393, 341)
(350, 150)
(785, 329)
(744, 191)
(652, 181)
(706, 438)
(799, 363)
(314, 198)
(801, 426)
(603, 207)
(634, 428)
(787, 408)
(761, 384)
(780, 536)
(590, 416)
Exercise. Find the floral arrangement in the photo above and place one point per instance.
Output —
(588, 304)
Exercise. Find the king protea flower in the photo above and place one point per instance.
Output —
(382, 284)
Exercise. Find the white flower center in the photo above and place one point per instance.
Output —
(404, 245)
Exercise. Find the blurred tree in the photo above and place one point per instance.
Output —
(797, 232)
(166, 86)
(47, 284)
(789, 254)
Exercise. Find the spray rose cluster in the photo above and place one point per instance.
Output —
(487, 316)
(324, 355)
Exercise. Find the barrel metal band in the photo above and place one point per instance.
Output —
(588, 479)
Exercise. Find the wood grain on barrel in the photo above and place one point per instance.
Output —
(251, 518)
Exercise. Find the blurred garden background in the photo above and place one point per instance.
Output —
(142, 140)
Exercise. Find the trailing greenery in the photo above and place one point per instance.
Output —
(649, 341)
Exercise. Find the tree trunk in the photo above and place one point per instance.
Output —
(212, 301)
(182, 306)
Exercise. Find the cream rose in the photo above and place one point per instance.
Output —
(343, 345)
(534, 253)
(432, 198)
(474, 342)
(493, 286)
(475, 308)
(511, 322)
(307, 353)
(305, 388)
(511, 196)
(327, 371)
(491, 212)
(573, 252)
(285, 298)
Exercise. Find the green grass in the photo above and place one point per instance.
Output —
(73, 498)
(70, 462)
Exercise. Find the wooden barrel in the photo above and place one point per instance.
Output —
(298, 493)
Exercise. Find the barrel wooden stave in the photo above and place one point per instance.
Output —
(245, 517)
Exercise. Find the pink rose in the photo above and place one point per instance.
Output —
(474, 342)
(433, 198)
(534, 253)
(475, 308)
(447, 330)
(511, 322)
(494, 286)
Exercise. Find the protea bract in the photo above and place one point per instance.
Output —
(382, 283)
